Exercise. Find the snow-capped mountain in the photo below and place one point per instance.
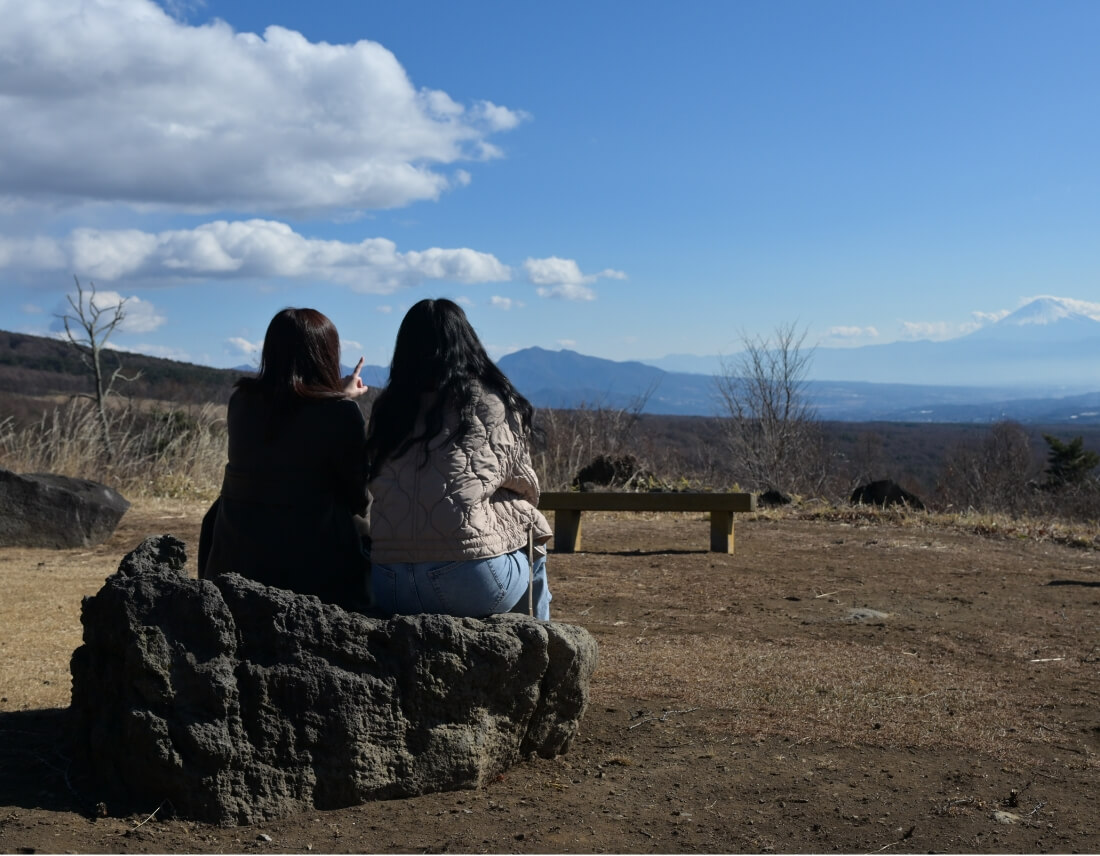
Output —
(1049, 343)
(1045, 319)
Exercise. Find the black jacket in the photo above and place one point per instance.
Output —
(292, 501)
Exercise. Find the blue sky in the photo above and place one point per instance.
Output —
(625, 179)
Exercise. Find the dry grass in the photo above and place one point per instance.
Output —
(162, 450)
(1072, 533)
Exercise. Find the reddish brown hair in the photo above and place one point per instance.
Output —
(301, 358)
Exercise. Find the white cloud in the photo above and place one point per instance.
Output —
(609, 273)
(937, 331)
(117, 101)
(851, 332)
(990, 317)
(567, 343)
(138, 316)
(31, 309)
(557, 277)
(566, 291)
(248, 249)
(249, 350)
(505, 303)
(1082, 307)
(181, 8)
(385, 310)
(497, 118)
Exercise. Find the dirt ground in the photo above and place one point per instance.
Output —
(866, 684)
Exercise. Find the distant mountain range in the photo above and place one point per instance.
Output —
(1047, 346)
(1039, 364)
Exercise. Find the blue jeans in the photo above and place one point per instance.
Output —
(473, 588)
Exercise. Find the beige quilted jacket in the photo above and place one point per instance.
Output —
(475, 497)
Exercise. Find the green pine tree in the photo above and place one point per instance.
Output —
(1068, 463)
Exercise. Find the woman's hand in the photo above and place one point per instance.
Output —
(353, 384)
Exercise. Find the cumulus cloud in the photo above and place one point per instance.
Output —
(990, 317)
(566, 291)
(505, 303)
(562, 278)
(117, 101)
(350, 351)
(247, 249)
(248, 350)
(138, 316)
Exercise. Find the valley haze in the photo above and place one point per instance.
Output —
(1040, 365)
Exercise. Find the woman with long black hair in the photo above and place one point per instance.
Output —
(453, 494)
(296, 477)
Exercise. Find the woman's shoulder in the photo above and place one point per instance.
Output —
(488, 404)
(340, 408)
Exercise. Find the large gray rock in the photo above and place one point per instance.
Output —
(45, 510)
(237, 702)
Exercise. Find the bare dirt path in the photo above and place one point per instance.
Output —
(853, 686)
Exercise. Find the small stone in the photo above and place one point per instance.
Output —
(263, 836)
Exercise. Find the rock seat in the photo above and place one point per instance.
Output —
(236, 702)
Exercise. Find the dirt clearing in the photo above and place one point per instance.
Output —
(868, 684)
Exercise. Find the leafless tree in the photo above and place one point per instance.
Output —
(772, 430)
(994, 472)
(566, 440)
(88, 327)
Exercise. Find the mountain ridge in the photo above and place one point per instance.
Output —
(1050, 349)
(1047, 343)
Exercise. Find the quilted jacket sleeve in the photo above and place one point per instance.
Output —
(516, 467)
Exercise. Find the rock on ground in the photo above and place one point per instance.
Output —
(46, 510)
(232, 702)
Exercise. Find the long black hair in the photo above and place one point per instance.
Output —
(300, 362)
(437, 351)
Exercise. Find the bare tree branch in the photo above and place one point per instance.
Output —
(88, 327)
(772, 430)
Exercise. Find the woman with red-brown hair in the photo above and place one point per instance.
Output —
(295, 483)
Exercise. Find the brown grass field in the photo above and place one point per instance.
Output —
(847, 681)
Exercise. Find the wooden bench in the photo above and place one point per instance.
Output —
(567, 508)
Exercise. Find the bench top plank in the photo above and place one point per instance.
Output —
(611, 501)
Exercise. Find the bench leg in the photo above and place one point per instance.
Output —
(721, 531)
(567, 530)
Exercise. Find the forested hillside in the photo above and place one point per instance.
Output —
(34, 368)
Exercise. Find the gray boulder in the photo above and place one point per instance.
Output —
(232, 702)
(45, 510)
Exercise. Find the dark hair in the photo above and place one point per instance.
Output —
(300, 361)
(437, 351)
